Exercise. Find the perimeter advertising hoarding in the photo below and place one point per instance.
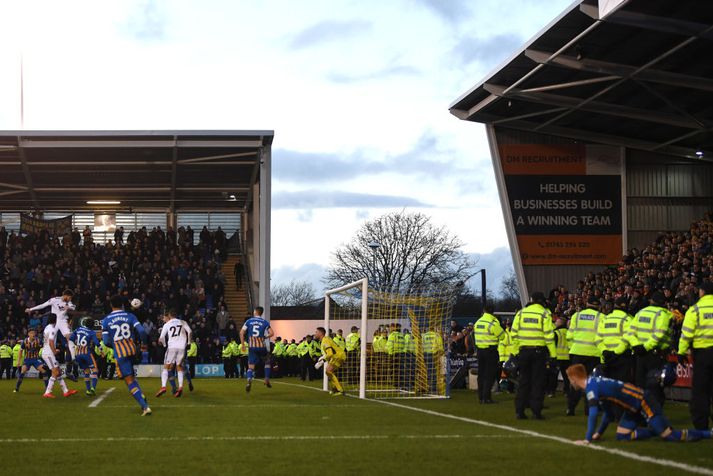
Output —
(565, 202)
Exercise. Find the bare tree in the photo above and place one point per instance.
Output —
(294, 293)
(411, 253)
(509, 291)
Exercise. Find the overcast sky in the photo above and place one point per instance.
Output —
(357, 93)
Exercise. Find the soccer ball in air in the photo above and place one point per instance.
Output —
(135, 303)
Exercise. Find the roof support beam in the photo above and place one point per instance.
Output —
(118, 144)
(651, 22)
(595, 106)
(224, 156)
(28, 176)
(174, 159)
(621, 70)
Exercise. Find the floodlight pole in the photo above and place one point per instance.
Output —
(482, 288)
(374, 245)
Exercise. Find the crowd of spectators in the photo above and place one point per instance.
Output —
(163, 268)
(675, 264)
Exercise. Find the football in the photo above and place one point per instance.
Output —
(135, 303)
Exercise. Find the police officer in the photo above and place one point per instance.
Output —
(697, 339)
(582, 335)
(279, 353)
(613, 342)
(353, 348)
(505, 351)
(488, 333)
(339, 339)
(304, 359)
(5, 359)
(534, 344)
(16, 364)
(396, 348)
(432, 345)
(560, 366)
(228, 360)
(192, 356)
(650, 337)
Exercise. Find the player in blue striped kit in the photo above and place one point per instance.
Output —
(118, 329)
(259, 332)
(85, 341)
(638, 408)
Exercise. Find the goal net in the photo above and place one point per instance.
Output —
(395, 342)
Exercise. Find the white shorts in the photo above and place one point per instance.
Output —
(174, 356)
(49, 359)
(63, 327)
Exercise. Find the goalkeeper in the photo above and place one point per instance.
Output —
(334, 356)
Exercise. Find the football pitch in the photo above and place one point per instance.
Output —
(294, 429)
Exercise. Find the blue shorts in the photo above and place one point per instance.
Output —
(125, 367)
(650, 414)
(29, 363)
(86, 362)
(255, 356)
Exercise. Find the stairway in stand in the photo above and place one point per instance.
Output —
(237, 300)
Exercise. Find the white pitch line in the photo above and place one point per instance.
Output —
(96, 402)
(237, 405)
(246, 438)
(624, 454)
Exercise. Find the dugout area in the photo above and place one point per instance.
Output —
(146, 173)
(600, 134)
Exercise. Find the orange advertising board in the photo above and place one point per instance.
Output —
(543, 159)
(569, 249)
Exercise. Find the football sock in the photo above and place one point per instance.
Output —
(688, 435)
(47, 378)
(164, 377)
(335, 382)
(87, 382)
(640, 434)
(180, 378)
(50, 384)
(94, 380)
(72, 349)
(268, 371)
(250, 374)
(172, 380)
(136, 392)
(19, 381)
(62, 384)
(187, 374)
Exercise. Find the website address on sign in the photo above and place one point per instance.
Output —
(551, 256)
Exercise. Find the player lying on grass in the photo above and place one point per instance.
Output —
(334, 356)
(48, 355)
(636, 403)
(85, 340)
(30, 357)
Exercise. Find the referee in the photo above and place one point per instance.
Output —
(697, 333)
(534, 343)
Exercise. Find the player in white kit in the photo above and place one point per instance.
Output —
(48, 355)
(59, 307)
(175, 336)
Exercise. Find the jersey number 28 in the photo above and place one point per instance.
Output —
(121, 332)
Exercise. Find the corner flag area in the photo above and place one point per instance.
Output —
(296, 427)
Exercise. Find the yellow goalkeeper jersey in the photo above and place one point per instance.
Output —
(332, 350)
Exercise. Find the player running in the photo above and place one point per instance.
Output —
(86, 340)
(334, 356)
(60, 307)
(30, 357)
(259, 333)
(175, 336)
(48, 355)
(118, 333)
(638, 407)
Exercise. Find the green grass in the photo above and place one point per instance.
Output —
(216, 429)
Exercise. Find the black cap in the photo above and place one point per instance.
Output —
(621, 302)
(538, 297)
(593, 301)
(658, 298)
(706, 287)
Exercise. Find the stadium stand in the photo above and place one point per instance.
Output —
(164, 269)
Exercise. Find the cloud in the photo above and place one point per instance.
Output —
(497, 265)
(327, 32)
(336, 199)
(305, 216)
(488, 51)
(384, 73)
(453, 11)
(147, 22)
(427, 158)
(311, 272)
(361, 214)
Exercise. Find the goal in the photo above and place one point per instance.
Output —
(402, 340)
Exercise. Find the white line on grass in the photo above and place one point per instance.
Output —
(96, 402)
(246, 438)
(228, 405)
(625, 454)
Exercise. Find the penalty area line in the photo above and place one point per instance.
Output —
(595, 447)
(96, 402)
